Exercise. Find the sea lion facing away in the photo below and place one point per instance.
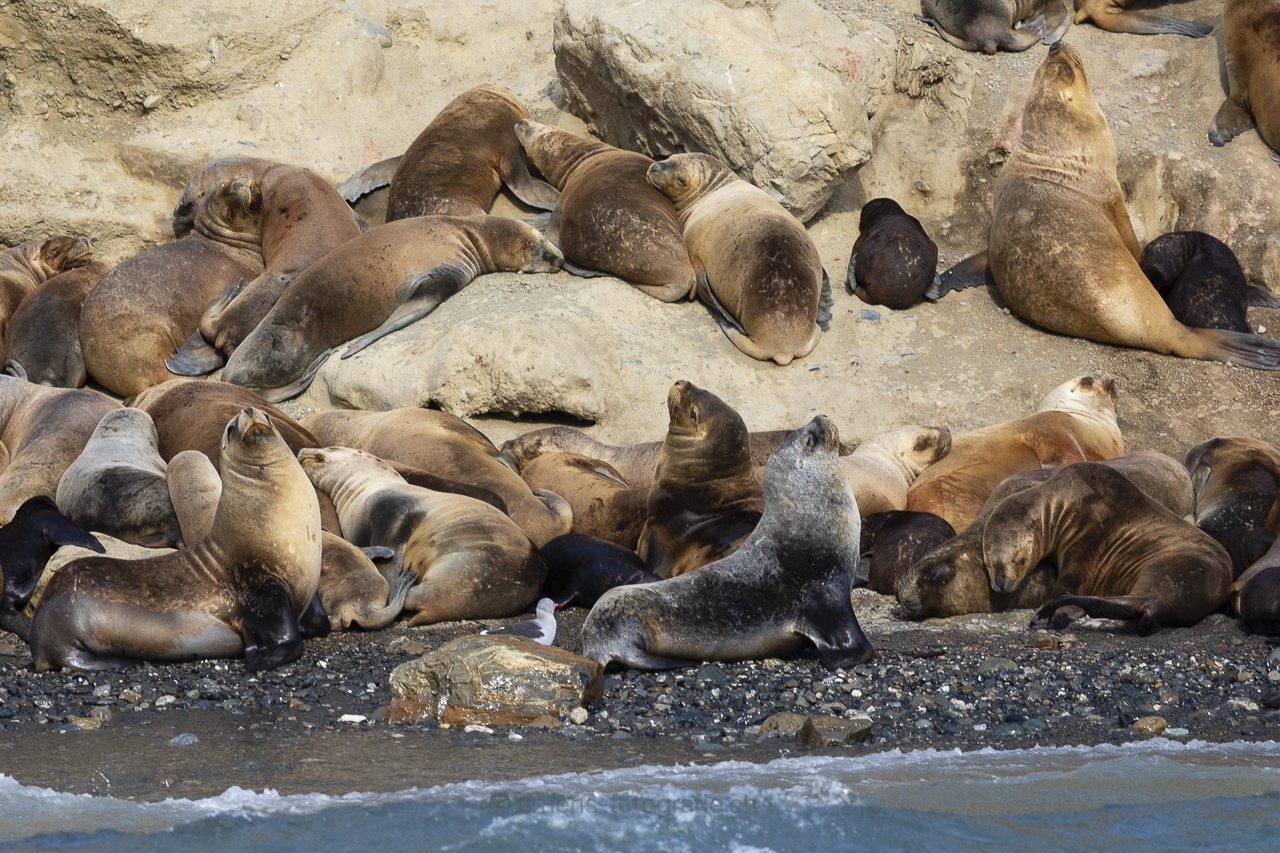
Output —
(43, 342)
(1111, 15)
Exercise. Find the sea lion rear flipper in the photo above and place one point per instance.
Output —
(13, 368)
(963, 44)
(1256, 351)
(1057, 20)
(378, 552)
(368, 179)
(1261, 297)
(552, 229)
(528, 189)
(418, 296)
(850, 277)
(196, 357)
(314, 622)
(293, 389)
(1023, 38)
(971, 272)
(1231, 120)
(726, 320)
(1150, 24)
(825, 302)
(581, 271)
(270, 633)
(1100, 607)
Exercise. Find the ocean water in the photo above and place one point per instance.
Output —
(1156, 795)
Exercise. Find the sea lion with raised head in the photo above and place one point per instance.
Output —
(1251, 35)
(787, 586)
(43, 342)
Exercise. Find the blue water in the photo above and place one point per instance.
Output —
(1157, 795)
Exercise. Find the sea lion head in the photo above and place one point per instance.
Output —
(685, 178)
(555, 151)
(877, 209)
(696, 413)
(329, 466)
(209, 177)
(804, 466)
(512, 244)
(232, 214)
(57, 254)
(251, 438)
(1093, 394)
(948, 581)
(1061, 106)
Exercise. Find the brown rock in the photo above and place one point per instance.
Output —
(88, 724)
(1043, 640)
(796, 726)
(838, 731)
(494, 680)
(1151, 726)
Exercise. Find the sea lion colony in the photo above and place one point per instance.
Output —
(748, 544)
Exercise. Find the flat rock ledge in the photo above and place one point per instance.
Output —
(502, 681)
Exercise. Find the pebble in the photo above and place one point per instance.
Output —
(578, 716)
(184, 739)
(1149, 61)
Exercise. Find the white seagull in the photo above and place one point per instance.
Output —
(541, 629)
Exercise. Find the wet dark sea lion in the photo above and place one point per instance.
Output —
(43, 342)
(1251, 34)
(893, 541)
(894, 262)
(581, 568)
(1202, 282)
(27, 542)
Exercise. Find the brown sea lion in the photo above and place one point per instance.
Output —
(463, 157)
(1119, 554)
(893, 542)
(787, 586)
(609, 218)
(1075, 422)
(27, 266)
(757, 268)
(303, 219)
(894, 262)
(445, 445)
(1251, 34)
(706, 496)
(1236, 481)
(373, 285)
(988, 25)
(145, 307)
(43, 342)
(240, 590)
(1202, 282)
(474, 562)
(1111, 15)
(882, 469)
(604, 505)
(42, 431)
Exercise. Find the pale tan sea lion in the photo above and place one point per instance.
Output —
(194, 490)
(1251, 34)
(883, 468)
(43, 342)
(1111, 15)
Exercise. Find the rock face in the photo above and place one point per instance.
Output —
(493, 680)
(781, 92)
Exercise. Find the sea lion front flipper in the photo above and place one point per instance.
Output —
(196, 357)
(581, 271)
(1023, 38)
(530, 190)
(17, 623)
(378, 552)
(1231, 120)
(314, 622)
(417, 296)
(270, 633)
(840, 643)
(850, 277)
(971, 272)
(825, 302)
(213, 312)
(1057, 20)
(293, 389)
(1102, 607)
(726, 320)
(368, 179)
(13, 368)
(1261, 297)
(558, 509)
(552, 229)
(862, 574)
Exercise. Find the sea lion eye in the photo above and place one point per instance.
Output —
(921, 443)
(681, 181)
(693, 414)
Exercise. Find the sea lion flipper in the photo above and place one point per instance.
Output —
(1255, 351)
(270, 633)
(581, 271)
(1150, 24)
(293, 389)
(418, 296)
(552, 229)
(378, 552)
(314, 621)
(850, 277)
(530, 190)
(1261, 297)
(209, 319)
(726, 320)
(1057, 20)
(1231, 120)
(13, 368)
(971, 272)
(17, 623)
(368, 179)
(825, 303)
(1099, 607)
(839, 639)
(862, 575)
(196, 357)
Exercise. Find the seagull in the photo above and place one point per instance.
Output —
(540, 630)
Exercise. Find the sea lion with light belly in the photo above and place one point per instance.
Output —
(146, 306)
(27, 266)
(609, 218)
(758, 270)
(1119, 554)
(303, 219)
(43, 342)
(603, 504)
(474, 562)
(988, 25)
(882, 469)
(449, 447)
(894, 263)
(1251, 34)
(373, 285)
(42, 431)
(1202, 282)
(463, 157)
(706, 496)
(118, 484)
(786, 587)
(1111, 15)
(1075, 422)
(239, 591)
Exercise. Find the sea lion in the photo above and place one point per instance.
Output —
(27, 542)
(882, 469)
(373, 285)
(303, 219)
(603, 504)
(893, 541)
(987, 25)
(463, 157)
(706, 496)
(1111, 15)
(1119, 554)
(146, 306)
(43, 342)
(240, 590)
(894, 262)
(1254, 597)
(609, 218)
(1075, 422)
(42, 431)
(29, 265)
(582, 568)
(952, 579)
(1202, 282)
(1236, 481)
(118, 486)
(758, 270)
(474, 562)
(353, 592)
(1251, 35)
(214, 175)
(789, 583)
(194, 490)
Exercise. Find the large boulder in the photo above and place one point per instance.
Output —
(781, 91)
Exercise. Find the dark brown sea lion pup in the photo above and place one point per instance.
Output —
(42, 431)
(463, 157)
(1119, 554)
(1202, 282)
(373, 285)
(1075, 422)
(706, 496)
(787, 586)
(603, 504)
(303, 219)
(609, 218)
(582, 568)
(893, 542)
(1062, 250)
(757, 267)
(43, 342)
(894, 262)
(27, 266)
(26, 544)
(1251, 33)
(987, 25)
(1111, 15)
(240, 590)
